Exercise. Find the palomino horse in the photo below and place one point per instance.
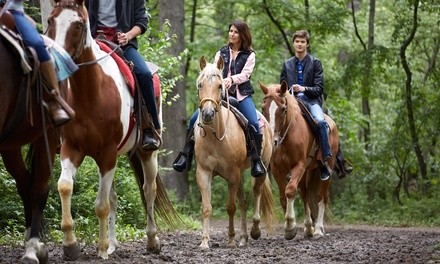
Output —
(102, 130)
(22, 124)
(220, 149)
(294, 160)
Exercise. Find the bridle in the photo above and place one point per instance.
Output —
(72, 5)
(216, 109)
(285, 125)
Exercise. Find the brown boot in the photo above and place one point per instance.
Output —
(60, 111)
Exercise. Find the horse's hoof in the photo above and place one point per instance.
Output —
(155, 246)
(71, 253)
(290, 234)
(43, 256)
(255, 233)
(29, 260)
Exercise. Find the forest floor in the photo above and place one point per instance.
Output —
(342, 244)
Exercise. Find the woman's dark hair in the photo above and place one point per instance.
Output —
(301, 34)
(245, 34)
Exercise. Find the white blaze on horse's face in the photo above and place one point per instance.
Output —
(272, 110)
(210, 88)
(62, 24)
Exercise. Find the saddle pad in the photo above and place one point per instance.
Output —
(123, 67)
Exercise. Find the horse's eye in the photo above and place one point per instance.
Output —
(199, 86)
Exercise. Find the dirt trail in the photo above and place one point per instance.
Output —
(342, 244)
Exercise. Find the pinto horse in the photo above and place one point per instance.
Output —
(294, 160)
(23, 124)
(103, 129)
(220, 149)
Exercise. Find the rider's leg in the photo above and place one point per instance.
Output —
(58, 108)
(184, 159)
(151, 140)
(247, 108)
(323, 131)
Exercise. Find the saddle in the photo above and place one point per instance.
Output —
(7, 32)
(144, 120)
(232, 105)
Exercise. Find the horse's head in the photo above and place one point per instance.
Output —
(275, 106)
(68, 25)
(210, 89)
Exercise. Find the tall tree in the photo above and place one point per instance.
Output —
(174, 115)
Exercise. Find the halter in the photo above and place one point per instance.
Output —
(72, 5)
(215, 102)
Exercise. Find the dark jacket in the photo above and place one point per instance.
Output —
(129, 13)
(312, 74)
(246, 87)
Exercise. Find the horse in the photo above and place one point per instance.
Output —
(220, 149)
(103, 129)
(294, 162)
(24, 125)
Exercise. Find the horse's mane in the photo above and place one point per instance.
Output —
(293, 108)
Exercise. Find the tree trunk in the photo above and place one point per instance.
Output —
(174, 116)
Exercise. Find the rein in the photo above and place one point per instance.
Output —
(97, 60)
(284, 123)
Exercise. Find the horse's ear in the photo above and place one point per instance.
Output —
(220, 63)
(263, 87)
(284, 87)
(202, 62)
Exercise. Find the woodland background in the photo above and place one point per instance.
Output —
(380, 61)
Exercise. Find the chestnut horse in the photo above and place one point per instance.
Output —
(294, 160)
(23, 122)
(220, 149)
(103, 129)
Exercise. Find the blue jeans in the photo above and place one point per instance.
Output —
(315, 110)
(30, 35)
(246, 107)
(145, 80)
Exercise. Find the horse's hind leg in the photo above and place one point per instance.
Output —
(150, 172)
(308, 222)
(322, 206)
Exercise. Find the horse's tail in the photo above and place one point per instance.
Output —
(315, 188)
(163, 207)
(267, 205)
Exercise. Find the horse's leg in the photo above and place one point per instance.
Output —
(113, 242)
(290, 226)
(70, 160)
(102, 202)
(256, 190)
(308, 222)
(13, 161)
(33, 190)
(150, 169)
(204, 180)
(281, 180)
(322, 204)
(243, 212)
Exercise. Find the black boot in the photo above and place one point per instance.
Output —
(325, 171)
(258, 169)
(184, 159)
(149, 140)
